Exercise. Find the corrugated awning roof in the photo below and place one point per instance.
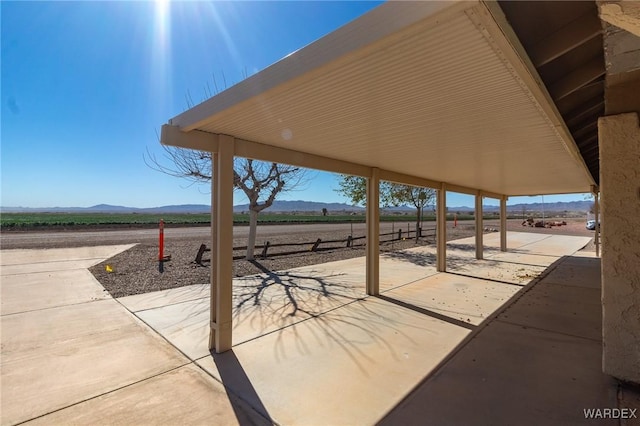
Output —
(439, 91)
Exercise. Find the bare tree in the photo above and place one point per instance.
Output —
(261, 182)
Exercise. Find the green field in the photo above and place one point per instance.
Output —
(21, 221)
(34, 220)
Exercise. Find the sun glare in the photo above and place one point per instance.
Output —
(162, 4)
(161, 53)
(161, 20)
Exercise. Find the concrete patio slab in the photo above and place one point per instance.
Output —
(554, 245)
(348, 366)
(172, 296)
(580, 271)
(527, 252)
(500, 270)
(185, 325)
(564, 309)
(396, 268)
(491, 240)
(23, 292)
(511, 374)
(522, 257)
(262, 304)
(199, 398)
(57, 357)
(585, 253)
(466, 299)
(269, 302)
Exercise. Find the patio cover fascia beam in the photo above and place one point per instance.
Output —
(195, 139)
(544, 193)
(262, 152)
(428, 183)
(204, 141)
(493, 195)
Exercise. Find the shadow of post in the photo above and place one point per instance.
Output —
(427, 312)
(236, 381)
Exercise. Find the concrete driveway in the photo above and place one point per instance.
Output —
(71, 354)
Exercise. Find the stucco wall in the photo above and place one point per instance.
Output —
(619, 138)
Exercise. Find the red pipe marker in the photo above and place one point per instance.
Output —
(161, 242)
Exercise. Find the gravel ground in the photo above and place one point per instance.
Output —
(136, 271)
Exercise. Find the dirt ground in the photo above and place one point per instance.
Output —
(137, 269)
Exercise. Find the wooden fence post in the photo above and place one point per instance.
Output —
(316, 244)
(201, 251)
(264, 249)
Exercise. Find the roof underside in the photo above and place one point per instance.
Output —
(567, 51)
(432, 90)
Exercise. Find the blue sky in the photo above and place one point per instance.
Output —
(87, 85)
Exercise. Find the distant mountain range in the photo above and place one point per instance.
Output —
(302, 206)
(107, 208)
(291, 206)
(561, 206)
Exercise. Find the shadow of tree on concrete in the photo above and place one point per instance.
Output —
(463, 247)
(340, 310)
(291, 293)
(496, 270)
(429, 259)
(417, 258)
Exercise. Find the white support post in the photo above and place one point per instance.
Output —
(503, 223)
(441, 229)
(213, 292)
(224, 247)
(596, 211)
(479, 227)
(373, 233)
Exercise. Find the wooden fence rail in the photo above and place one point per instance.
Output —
(314, 246)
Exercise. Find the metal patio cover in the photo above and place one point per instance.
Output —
(437, 91)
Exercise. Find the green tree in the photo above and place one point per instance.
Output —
(391, 194)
